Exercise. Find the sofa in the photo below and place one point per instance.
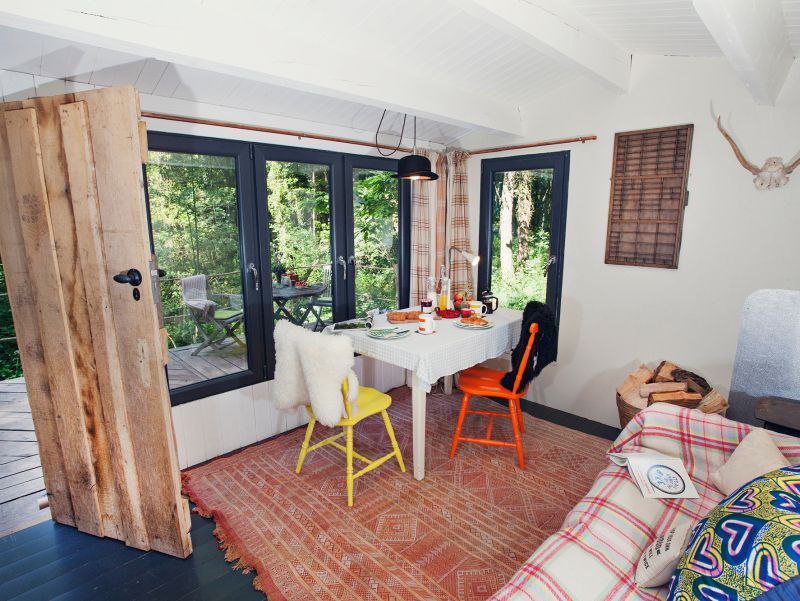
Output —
(595, 553)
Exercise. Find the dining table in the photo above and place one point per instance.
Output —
(428, 357)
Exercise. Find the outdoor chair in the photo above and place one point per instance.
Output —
(324, 300)
(224, 320)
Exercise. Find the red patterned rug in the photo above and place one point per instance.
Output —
(459, 534)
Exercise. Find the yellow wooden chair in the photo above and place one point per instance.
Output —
(370, 402)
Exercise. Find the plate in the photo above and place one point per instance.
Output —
(466, 326)
(388, 335)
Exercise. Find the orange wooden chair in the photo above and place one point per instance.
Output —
(486, 382)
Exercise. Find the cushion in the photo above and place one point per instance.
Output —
(746, 545)
(660, 559)
(756, 455)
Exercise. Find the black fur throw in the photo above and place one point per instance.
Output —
(544, 345)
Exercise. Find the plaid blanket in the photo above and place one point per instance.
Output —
(594, 555)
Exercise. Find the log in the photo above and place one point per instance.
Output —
(646, 389)
(641, 375)
(664, 371)
(713, 402)
(683, 399)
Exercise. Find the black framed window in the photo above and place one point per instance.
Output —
(250, 233)
(522, 227)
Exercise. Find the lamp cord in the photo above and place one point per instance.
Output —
(378, 131)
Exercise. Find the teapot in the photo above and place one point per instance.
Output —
(489, 301)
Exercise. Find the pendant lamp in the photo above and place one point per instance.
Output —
(415, 166)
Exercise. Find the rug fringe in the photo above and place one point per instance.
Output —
(227, 543)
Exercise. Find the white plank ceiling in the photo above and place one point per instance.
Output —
(436, 42)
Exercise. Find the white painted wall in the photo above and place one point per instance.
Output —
(735, 239)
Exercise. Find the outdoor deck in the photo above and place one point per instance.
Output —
(183, 368)
(21, 482)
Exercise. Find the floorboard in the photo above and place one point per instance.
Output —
(50, 561)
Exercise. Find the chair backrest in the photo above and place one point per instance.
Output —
(345, 391)
(534, 329)
(326, 280)
(194, 288)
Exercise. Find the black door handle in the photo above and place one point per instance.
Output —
(132, 277)
(162, 273)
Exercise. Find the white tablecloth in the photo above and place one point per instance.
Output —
(449, 350)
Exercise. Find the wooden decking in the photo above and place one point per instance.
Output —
(183, 368)
(21, 482)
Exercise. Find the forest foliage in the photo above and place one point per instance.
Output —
(10, 366)
(521, 236)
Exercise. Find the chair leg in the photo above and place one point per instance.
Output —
(395, 446)
(519, 414)
(513, 406)
(349, 453)
(461, 414)
(304, 448)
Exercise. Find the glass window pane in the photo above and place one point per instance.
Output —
(375, 220)
(298, 201)
(521, 235)
(193, 210)
(10, 366)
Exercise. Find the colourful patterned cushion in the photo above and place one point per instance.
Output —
(746, 545)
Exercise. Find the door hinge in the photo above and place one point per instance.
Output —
(252, 152)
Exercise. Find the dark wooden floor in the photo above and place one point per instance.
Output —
(50, 561)
(21, 482)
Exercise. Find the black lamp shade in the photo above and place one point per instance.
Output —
(415, 166)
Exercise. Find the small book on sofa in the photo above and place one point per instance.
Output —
(658, 476)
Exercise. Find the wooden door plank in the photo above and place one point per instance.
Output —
(37, 234)
(88, 232)
(72, 286)
(21, 297)
(115, 138)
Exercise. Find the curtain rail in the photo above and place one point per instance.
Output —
(302, 134)
(267, 130)
(581, 139)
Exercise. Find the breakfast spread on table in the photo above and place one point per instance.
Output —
(402, 316)
(474, 320)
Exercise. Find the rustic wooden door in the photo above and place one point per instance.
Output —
(74, 218)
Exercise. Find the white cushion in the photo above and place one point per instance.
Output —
(755, 456)
(660, 559)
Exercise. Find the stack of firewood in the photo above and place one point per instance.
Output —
(668, 383)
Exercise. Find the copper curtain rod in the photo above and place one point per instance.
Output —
(302, 134)
(581, 139)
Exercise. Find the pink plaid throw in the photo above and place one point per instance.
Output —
(594, 555)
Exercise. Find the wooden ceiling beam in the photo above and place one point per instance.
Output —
(752, 35)
(558, 31)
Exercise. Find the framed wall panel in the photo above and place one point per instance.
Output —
(648, 196)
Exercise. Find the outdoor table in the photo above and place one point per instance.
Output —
(429, 357)
(281, 295)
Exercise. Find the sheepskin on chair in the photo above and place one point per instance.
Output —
(310, 369)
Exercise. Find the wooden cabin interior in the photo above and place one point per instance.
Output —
(467, 299)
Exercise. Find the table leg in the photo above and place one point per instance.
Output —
(419, 399)
(448, 385)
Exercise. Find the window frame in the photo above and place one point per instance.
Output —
(248, 250)
(254, 240)
(559, 163)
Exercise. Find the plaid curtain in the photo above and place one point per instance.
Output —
(441, 213)
(461, 270)
(420, 237)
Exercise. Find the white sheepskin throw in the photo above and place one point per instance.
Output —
(310, 369)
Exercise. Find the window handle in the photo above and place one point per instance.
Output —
(354, 263)
(550, 262)
(254, 272)
(343, 263)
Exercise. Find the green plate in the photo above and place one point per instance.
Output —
(388, 334)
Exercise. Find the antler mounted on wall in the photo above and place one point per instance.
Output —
(773, 174)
